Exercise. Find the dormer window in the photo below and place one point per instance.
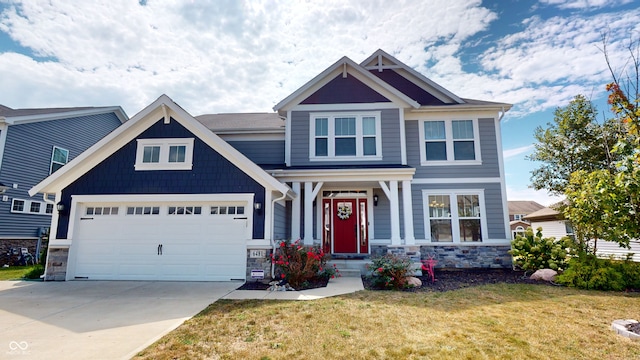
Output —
(345, 136)
(164, 154)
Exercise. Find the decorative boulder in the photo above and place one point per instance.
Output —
(544, 274)
(413, 282)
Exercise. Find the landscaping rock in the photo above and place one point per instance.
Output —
(624, 328)
(544, 274)
(414, 282)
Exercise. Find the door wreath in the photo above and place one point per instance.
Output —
(344, 212)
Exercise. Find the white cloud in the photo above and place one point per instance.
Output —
(510, 153)
(584, 4)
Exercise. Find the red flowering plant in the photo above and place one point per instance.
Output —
(390, 272)
(299, 264)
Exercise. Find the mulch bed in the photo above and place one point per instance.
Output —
(447, 280)
(264, 285)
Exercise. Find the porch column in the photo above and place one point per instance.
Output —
(295, 212)
(407, 210)
(392, 193)
(310, 193)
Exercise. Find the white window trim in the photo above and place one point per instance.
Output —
(448, 129)
(164, 163)
(27, 207)
(331, 136)
(455, 228)
(53, 152)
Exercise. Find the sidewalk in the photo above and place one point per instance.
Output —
(338, 286)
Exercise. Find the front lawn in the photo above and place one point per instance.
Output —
(502, 321)
(15, 272)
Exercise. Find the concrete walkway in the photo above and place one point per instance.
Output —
(114, 319)
(338, 286)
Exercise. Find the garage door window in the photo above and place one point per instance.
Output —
(227, 210)
(106, 210)
(143, 210)
(185, 210)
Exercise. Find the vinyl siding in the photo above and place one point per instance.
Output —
(261, 152)
(488, 150)
(211, 174)
(493, 207)
(390, 128)
(27, 158)
(280, 222)
(555, 229)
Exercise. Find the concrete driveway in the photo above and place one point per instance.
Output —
(96, 319)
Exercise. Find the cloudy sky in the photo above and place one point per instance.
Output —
(233, 56)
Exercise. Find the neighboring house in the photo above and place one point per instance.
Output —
(35, 143)
(517, 212)
(363, 160)
(554, 225)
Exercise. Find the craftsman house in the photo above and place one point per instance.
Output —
(363, 160)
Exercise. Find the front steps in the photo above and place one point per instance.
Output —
(350, 267)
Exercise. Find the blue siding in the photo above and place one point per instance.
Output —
(407, 87)
(280, 222)
(390, 128)
(493, 203)
(211, 173)
(27, 158)
(344, 90)
(488, 151)
(261, 152)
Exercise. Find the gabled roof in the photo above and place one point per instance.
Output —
(523, 207)
(345, 66)
(380, 60)
(165, 108)
(544, 214)
(243, 122)
(19, 116)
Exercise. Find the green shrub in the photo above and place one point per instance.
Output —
(390, 272)
(589, 272)
(35, 273)
(531, 252)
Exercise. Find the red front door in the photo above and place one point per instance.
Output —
(345, 226)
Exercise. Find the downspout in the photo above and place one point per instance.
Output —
(273, 232)
(502, 112)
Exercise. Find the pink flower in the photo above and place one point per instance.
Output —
(380, 269)
(282, 276)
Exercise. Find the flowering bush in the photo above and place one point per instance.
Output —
(390, 271)
(298, 264)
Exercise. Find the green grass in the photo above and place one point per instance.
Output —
(488, 322)
(15, 272)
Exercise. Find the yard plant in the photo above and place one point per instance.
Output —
(532, 252)
(299, 264)
(390, 271)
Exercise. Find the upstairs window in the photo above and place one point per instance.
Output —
(345, 137)
(59, 157)
(449, 142)
(164, 154)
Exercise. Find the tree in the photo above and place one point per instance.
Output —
(574, 141)
(605, 204)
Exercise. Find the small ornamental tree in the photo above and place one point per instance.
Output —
(531, 253)
(298, 264)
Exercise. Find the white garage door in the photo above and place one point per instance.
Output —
(195, 241)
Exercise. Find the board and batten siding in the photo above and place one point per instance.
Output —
(27, 160)
(488, 152)
(280, 222)
(300, 139)
(493, 207)
(261, 152)
(211, 174)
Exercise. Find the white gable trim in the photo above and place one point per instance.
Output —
(134, 127)
(351, 68)
(440, 91)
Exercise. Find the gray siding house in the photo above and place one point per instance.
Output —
(363, 160)
(35, 143)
